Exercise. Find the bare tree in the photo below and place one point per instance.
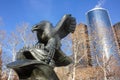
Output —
(104, 50)
(12, 46)
(21, 36)
(26, 36)
(80, 48)
(2, 36)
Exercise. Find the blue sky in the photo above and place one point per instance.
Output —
(14, 12)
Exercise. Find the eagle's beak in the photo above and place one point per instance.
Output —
(34, 28)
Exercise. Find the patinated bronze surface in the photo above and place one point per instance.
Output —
(38, 62)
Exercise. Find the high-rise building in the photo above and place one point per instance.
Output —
(102, 40)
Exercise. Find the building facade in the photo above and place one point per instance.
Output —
(116, 28)
(80, 43)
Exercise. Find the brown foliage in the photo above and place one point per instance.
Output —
(5, 76)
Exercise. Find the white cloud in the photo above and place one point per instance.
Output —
(100, 3)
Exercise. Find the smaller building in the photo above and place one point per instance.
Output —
(116, 28)
(81, 45)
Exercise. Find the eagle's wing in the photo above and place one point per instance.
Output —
(66, 25)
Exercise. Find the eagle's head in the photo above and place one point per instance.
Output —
(40, 27)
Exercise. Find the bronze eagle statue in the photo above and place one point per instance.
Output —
(37, 62)
(51, 36)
